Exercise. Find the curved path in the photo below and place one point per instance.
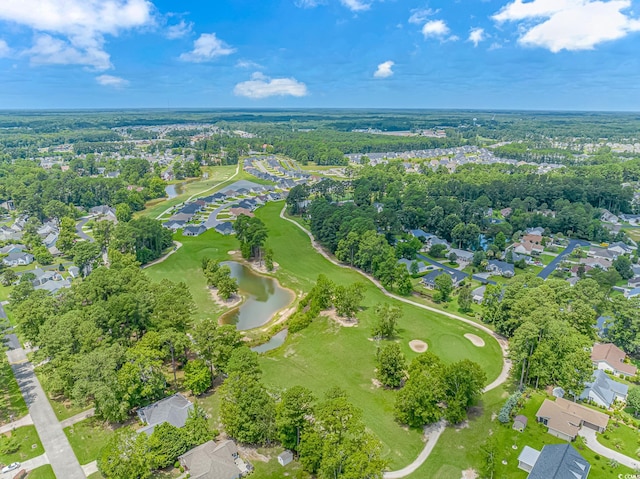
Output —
(168, 210)
(591, 440)
(433, 432)
(177, 246)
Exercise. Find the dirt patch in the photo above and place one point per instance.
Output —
(232, 302)
(469, 474)
(461, 426)
(475, 340)
(376, 384)
(262, 269)
(418, 346)
(252, 454)
(346, 322)
(232, 252)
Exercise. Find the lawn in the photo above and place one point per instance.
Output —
(42, 472)
(273, 469)
(621, 438)
(27, 437)
(87, 438)
(546, 258)
(458, 450)
(325, 355)
(11, 401)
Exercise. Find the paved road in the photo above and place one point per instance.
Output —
(453, 270)
(81, 233)
(550, 268)
(431, 434)
(56, 445)
(592, 443)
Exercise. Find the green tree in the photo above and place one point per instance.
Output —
(9, 277)
(197, 426)
(268, 259)
(444, 288)
(500, 241)
(292, 415)
(165, 444)
(215, 343)
(465, 298)
(347, 299)
(622, 265)
(42, 255)
(86, 256)
(123, 212)
(633, 399)
(438, 250)
(418, 402)
(489, 454)
(67, 236)
(197, 377)
(227, 287)
(126, 456)
(387, 318)
(391, 365)
(463, 385)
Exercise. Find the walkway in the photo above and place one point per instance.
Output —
(90, 468)
(550, 268)
(78, 417)
(56, 445)
(434, 435)
(592, 443)
(23, 421)
(176, 247)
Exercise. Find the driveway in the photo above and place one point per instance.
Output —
(591, 440)
(82, 234)
(453, 270)
(29, 465)
(550, 268)
(56, 445)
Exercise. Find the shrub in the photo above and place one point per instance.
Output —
(504, 416)
(9, 445)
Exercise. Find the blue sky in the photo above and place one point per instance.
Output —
(485, 54)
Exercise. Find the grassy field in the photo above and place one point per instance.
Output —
(27, 437)
(325, 355)
(42, 472)
(87, 438)
(621, 438)
(458, 447)
(11, 401)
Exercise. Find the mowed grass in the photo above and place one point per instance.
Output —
(87, 438)
(27, 437)
(42, 472)
(12, 403)
(621, 438)
(326, 355)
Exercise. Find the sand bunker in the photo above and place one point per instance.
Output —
(475, 340)
(418, 346)
(232, 252)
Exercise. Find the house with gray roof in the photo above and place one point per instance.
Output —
(18, 258)
(173, 225)
(429, 281)
(555, 461)
(213, 460)
(422, 268)
(194, 230)
(604, 391)
(602, 325)
(224, 228)
(174, 410)
(501, 267)
(418, 233)
(12, 248)
(463, 256)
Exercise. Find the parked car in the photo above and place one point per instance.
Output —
(11, 467)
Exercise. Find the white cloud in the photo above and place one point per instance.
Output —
(356, 5)
(384, 70)
(206, 48)
(307, 3)
(477, 35)
(435, 28)
(79, 25)
(5, 51)
(179, 30)
(112, 81)
(569, 24)
(420, 15)
(261, 86)
(248, 64)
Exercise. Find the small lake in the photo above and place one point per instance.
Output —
(276, 341)
(174, 190)
(263, 298)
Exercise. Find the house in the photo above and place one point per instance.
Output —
(555, 461)
(9, 234)
(42, 276)
(610, 358)
(463, 256)
(422, 268)
(502, 268)
(620, 248)
(173, 409)
(54, 286)
(632, 293)
(194, 230)
(527, 248)
(235, 212)
(173, 225)
(634, 282)
(191, 208)
(478, 294)
(420, 234)
(602, 263)
(456, 276)
(596, 252)
(608, 217)
(532, 238)
(528, 458)
(602, 325)
(18, 258)
(506, 212)
(50, 240)
(183, 217)
(519, 257)
(564, 418)
(539, 231)
(74, 271)
(520, 422)
(103, 210)
(285, 458)
(603, 390)
(224, 228)
(213, 460)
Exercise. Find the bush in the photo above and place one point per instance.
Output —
(504, 416)
(9, 445)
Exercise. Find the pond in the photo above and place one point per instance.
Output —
(263, 298)
(174, 190)
(276, 341)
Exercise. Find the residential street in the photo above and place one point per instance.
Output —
(550, 268)
(449, 268)
(56, 446)
(81, 233)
